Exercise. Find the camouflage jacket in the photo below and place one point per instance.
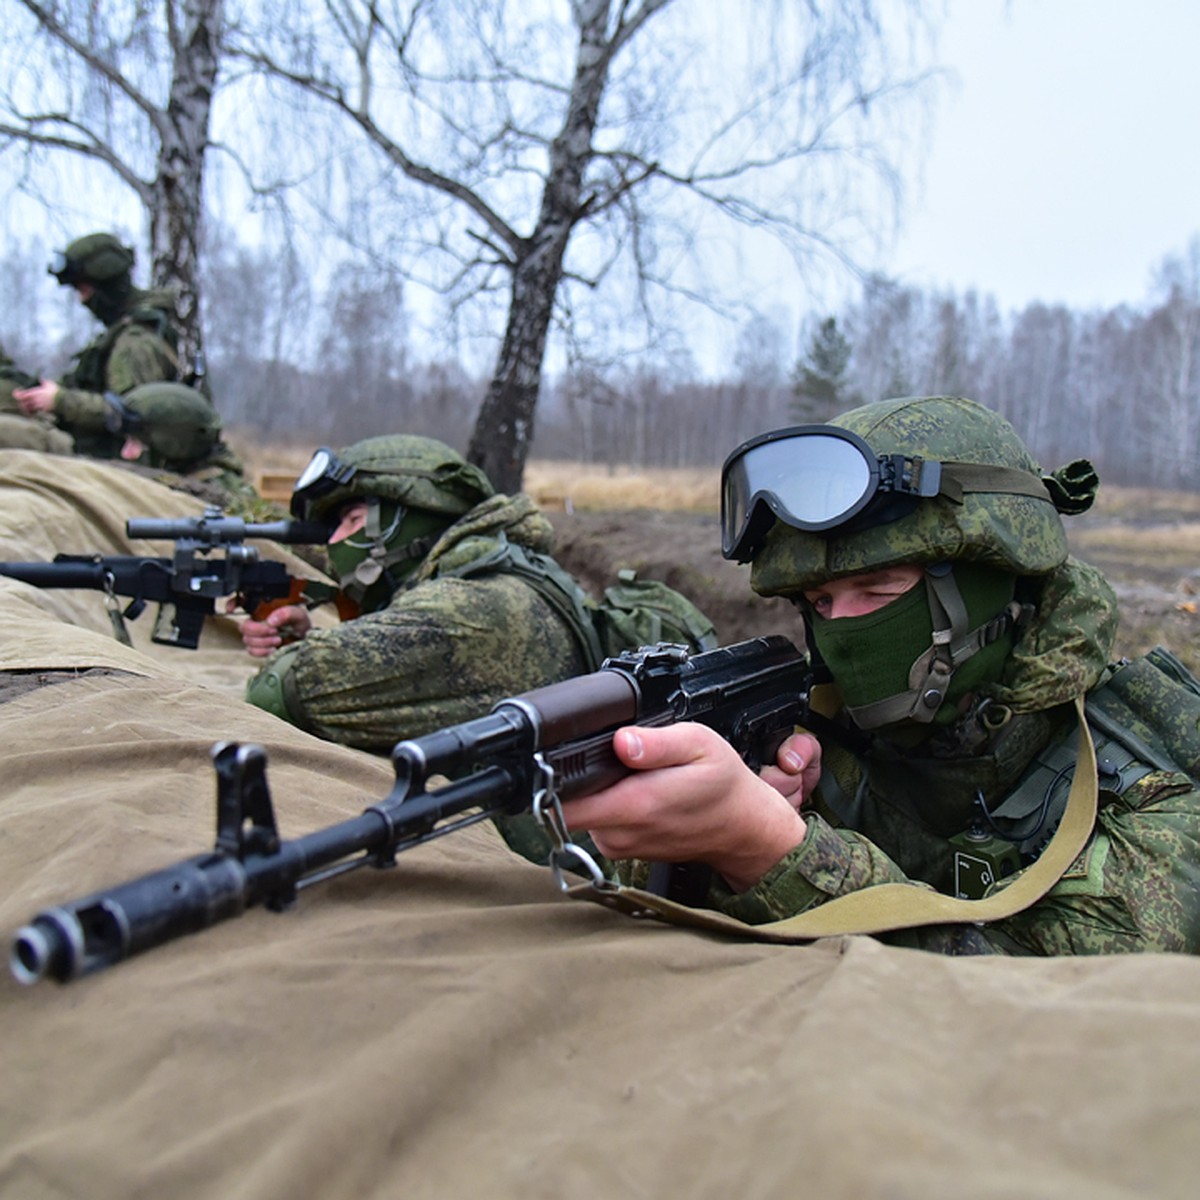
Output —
(139, 347)
(883, 814)
(21, 432)
(447, 647)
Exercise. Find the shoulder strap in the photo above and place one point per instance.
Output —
(891, 906)
(549, 580)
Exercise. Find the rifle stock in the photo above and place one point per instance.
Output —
(555, 740)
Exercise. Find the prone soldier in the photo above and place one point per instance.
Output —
(925, 550)
(461, 602)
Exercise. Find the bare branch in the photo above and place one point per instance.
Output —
(95, 62)
(88, 145)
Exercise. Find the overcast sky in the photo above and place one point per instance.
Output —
(1065, 162)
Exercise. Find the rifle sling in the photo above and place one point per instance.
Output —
(891, 906)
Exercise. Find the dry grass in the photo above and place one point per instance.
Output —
(554, 485)
(574, 486)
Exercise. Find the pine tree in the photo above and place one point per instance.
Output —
(820, 380)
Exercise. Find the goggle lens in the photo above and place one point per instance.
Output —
(325, 471)
(812, 477)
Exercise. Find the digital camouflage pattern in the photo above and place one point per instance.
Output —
(886, 811)
(445, 649)
(418, 472)
(137, 347)
(1017, 533)
(1135, 886)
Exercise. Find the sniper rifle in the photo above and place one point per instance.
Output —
(529, 754)
(210, 561)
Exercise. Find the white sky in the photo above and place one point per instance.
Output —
(1065, 165)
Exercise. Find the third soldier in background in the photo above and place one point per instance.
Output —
(21, 431)
(138, 344)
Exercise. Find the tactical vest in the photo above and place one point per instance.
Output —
(90, 372)
(634, 612)
(1144, 717)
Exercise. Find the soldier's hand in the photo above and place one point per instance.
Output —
(288, 623)
(690, 799)
(37, 399)
(798, 768)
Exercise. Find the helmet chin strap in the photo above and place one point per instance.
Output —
(931, 675)
(380, 558)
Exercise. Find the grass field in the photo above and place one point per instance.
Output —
(554, 485)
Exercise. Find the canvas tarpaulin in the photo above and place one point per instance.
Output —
(453, 1026)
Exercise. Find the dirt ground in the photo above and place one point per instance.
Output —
(1148, 544)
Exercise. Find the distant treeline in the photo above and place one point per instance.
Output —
(1120, 386)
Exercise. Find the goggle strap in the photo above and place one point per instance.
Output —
(961, 478)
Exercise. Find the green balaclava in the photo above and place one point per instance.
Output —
(372, 564)
(881, 661)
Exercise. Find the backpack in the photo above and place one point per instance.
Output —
(641, 612)
(1151, 705)
(634, 612)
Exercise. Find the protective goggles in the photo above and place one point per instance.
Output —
(64, 269)
(325, 473)
(815, 478)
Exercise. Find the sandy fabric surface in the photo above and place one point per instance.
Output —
(453, 1027)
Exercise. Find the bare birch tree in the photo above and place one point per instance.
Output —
(128, 87)
(540, 149)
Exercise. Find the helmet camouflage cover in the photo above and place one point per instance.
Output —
(416, 472)
(97, 258)
(175, 421)
(1018, 533)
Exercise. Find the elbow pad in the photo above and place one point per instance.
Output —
(273, 689)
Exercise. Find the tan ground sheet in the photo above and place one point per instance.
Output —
(455, 1028)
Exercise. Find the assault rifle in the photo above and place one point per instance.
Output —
(527, 756)
(210, 561)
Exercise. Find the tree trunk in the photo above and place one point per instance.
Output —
(177, 211)
(504, 429)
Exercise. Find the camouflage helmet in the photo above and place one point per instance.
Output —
(177, 424)
(98, 258)
(1010, 521)
(409, 470)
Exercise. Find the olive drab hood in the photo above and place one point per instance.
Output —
(510, 535)
(479, 533)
